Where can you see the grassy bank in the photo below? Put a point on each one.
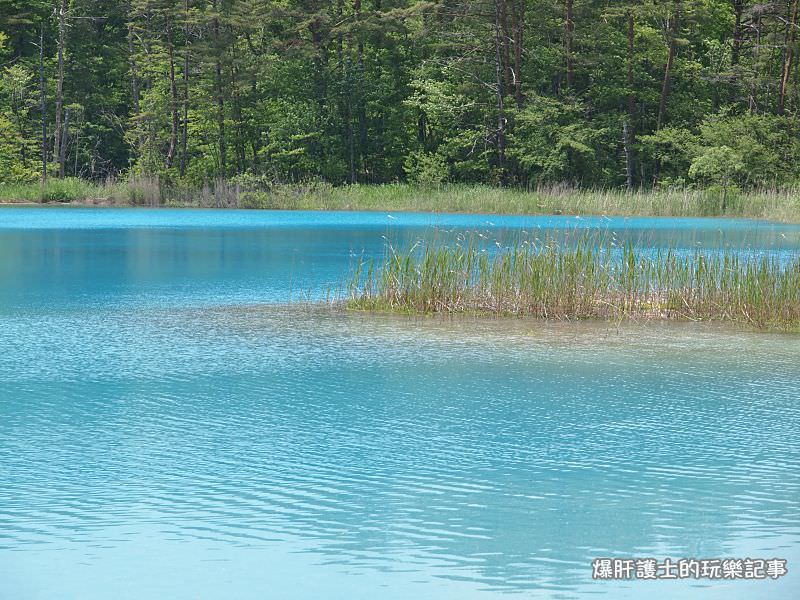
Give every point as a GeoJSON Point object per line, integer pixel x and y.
{"type": "Point", "coordinates": [550, 281]}
{"type": "Point", "coordinates": [779, 205]}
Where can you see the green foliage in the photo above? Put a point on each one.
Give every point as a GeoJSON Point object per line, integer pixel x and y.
{"type": "Point", "coordinates": [18, 148]}
{"type": "Point", "coordinates": [748, 149]}
{"type": "Point", "coordinates": [263, 194]}
{"type": "Point", "coordinates": [191, 92]}
{"type": "Point", "coordinates": [717, 165]}
{"type": "Point", "coordinates": [66, 190]}
{"type": "Point", "coordinates": [426, 169]}
{"type": "Point", "coordinates": [553, 141]}
{"type": "Point", "coordinates": [290, 139]}
{"type": "Point", "coordinates": [12, 169]}
{"type": "Point", "coordinates": [672, 149]}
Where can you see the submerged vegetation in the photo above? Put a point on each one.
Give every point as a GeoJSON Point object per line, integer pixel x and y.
{"type": "Point", "coordinates": [584, 281]}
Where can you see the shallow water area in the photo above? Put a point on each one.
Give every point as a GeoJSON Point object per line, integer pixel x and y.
{"type": "Point", "coordinates": [171, 427]}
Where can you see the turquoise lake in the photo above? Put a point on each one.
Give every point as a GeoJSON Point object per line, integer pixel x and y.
{"type": "Point", "coordinates": [177, 421]}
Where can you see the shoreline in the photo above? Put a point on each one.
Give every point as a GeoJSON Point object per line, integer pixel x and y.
{"type": "Point", "coordinates": [187, 207]}
{"type": "Point", "coordinates": [633, 320]}
{"type": "Point", "coordinates": [528, 324]}
{"type": "Point", "coordinates": [771, 219]}
{"type": "Point", "coordinates": [778, 205]}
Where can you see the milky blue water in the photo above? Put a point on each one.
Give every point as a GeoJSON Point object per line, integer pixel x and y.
{"type": "Point", "coordinates": [171, 427]}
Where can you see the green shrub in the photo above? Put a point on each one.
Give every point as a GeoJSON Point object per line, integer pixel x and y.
{"type": "Point", "coordinates": [256, 200]}
{"type": "Point", "coordinates": [426, 169]}
{"type": "Point", "coordinates": [70, 189]}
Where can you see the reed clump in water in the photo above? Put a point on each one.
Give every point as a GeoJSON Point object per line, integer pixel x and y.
{"type": "Point", "coordinates": [585, 281]}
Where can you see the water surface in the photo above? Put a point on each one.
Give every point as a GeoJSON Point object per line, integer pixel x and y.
{"type": "Point", "coordinates": [75, 257]}
{"type": "Point", "coordinates": [171, 428]}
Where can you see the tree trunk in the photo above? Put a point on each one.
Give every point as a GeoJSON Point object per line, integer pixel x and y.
{"type": "Point", "coordinates": [628, 129]}
{"type": "Point", "coordinates": [346, 95]}
{"type": "Point", "coordinates": [738, 9]}
{"type": "Point", "coordinates": [505, 37]}
{"type": "Point", "coordinates": [173, 92]}
{"type": "Point", "coordinates": [220, 99]}
{"type": "Point", "coordinates": [185, 117]}
{"type": "Point", "coordinates": [133, 66]}
{"type": "Point", "coordinates": [351, 142]}
{"type": "Point", "coordinates": [626, 144]}
{"type": "Point", "coordinates": [795, 76]}
{"type": "Point", "coordinates": [62, 15]}
{"type": "Point", "coordinates": [518, 25]}
{"type": "Point", "coordinates": [135, 81]}
{"type": "Point", "coordinates": [569, 34]}
{"type": "Point", "coordinates": [42, 103]}
{"type": "Point", "coordinates": [255, 138]}
{"type": "Point", "coordinates": [631, 96]}
{"type": "Point", "coordinates": [501, 117]}
{"type": "Point", "coordinates": [361, 108]}
{"type": "Point", "coordinates": [788, 58]}
{"type": "Point", "coordinates": [756, 55]}
{"type": "Point", "coordinates": [673, 36]}
{"type": "Point", "coordinates": [318, 60]}
{"type": "Point", "coordinates": [236, 108]}
{"type": "Point", "coordinates": [62, 157]}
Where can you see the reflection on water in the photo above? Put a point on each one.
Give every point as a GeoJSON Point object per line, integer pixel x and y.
{"type": "Point", "coordinates": [79, 257]}
{"type": "Point", "coordinates": [220, 449]}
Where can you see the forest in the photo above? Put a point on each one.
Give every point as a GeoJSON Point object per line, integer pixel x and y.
{"type": "Point", "coordinates": [596, 94]}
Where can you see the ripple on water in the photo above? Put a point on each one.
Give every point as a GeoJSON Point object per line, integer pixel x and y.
{"type": "Point", "coordinates": [498, 455]}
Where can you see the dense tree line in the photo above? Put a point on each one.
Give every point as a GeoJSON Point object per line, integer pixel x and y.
{"type": "Point", "coordinates": [520, 92]}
